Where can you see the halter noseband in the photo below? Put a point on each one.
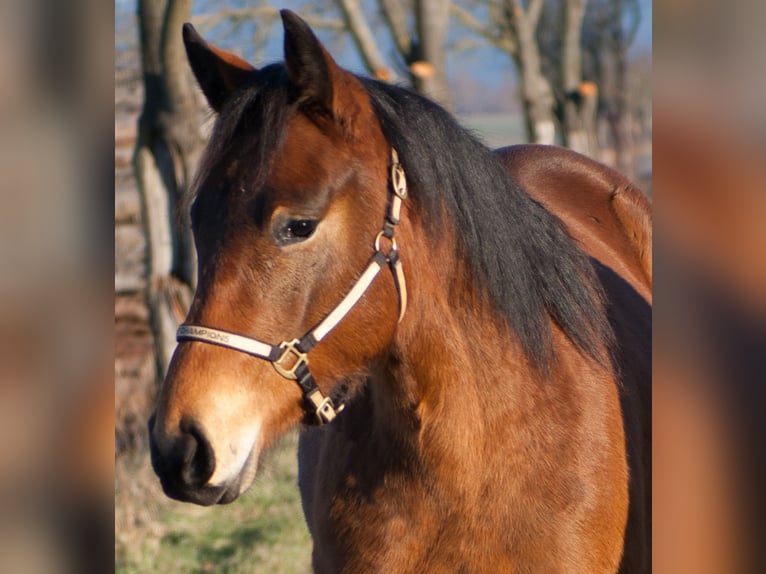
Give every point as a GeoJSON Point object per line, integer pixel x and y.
{"type": "Point", "coordinates": [290, 358]}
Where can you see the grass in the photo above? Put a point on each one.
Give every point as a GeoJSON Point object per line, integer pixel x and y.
{"type": "Point", "coordinates": [263, 531]}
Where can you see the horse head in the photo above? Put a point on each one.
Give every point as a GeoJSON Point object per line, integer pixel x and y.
{"type": "Point", "coordinates": [292, 192]}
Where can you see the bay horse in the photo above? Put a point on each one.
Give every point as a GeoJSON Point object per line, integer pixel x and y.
{"type": "Point", "coordinates": [465, 334]}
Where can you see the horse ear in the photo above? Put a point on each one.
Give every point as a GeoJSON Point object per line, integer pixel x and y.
{"type": "Point", "coordinates": [316, 75]}
{"type": "Point", "coordinates": [218, 72]}
{"type": "Point", "coordinates": [308, 63]}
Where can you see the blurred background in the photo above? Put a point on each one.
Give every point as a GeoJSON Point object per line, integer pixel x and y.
{"type": "Point", "coordinates": [709, 385]}
{"type": "Point", "coordinates": [64, 476]}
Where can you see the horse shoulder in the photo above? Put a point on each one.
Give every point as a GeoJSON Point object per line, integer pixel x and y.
{"type": "Point", "coordinates": [604, 212]}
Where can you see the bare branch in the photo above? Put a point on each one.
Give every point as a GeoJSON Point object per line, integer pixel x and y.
{"type": "Point", "coordinates": [529, 16]}
{"type": "Point", "coordinates": [534, 9]}
{"type": "Point", "coordinates": [207, 21]}
{"type": "Point", "coordinates": [486, 31]}
{"type": "Point", "coordinates": [515, 10]}
{"type": "Point", "coordinates": [394, 14]}
{"type": "Point", "coordinates": [464, 45]}
{"type": "Point", "coordinates": [364, 40]}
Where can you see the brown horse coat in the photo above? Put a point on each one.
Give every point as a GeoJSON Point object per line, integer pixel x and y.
{"type": "Point", "coordinates": [606, 214]}
{"type": "Point", "coordinates": [611, 221]}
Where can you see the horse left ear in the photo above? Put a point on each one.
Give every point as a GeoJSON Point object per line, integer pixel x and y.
{"type": "Point", "coordinates": [316, 75]}
{"type": "Point", "coordinates": [218, 72]}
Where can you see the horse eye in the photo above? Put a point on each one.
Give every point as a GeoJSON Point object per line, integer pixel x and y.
{"type": "Point", "coordinates": [298, 229]}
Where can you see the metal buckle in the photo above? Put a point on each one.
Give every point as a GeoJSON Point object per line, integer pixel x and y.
{"type": "Point", "coordinates": [290, 349]}
{"type": "Point", "coordinates": [398, 179]}
{"type": "Point", "coordinates": [326, 411]}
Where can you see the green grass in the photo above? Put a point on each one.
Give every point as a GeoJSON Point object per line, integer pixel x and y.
{"type": "Point", "coordinates": [262, 531]}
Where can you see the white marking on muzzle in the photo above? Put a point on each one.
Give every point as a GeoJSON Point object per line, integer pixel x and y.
{"type": "Point", "coordinates": [230, 459]}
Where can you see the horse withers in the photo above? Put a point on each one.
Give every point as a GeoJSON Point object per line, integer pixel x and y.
{"type": "Point", "coordinates": [464, 336]}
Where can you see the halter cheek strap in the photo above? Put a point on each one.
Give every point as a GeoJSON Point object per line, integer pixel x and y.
{"type": "Point", "coordinates": [290, 358]}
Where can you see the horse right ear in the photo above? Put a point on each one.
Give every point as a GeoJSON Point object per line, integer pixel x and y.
{"type": "Point", "coordinates": [218, 72]}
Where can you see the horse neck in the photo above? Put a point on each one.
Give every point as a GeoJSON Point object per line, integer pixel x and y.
{"type": "Point", "coordinates": [453, 362]}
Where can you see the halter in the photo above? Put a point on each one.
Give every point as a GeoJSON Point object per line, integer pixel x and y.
{"type": "Point", "coordinates": [290, 358]}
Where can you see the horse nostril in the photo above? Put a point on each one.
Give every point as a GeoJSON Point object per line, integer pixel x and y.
{"type": "Point", "coordinates": [198, 459]}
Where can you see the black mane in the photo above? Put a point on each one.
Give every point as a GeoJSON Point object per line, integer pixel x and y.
{"type": "Point", "coordinates": [257, 111]}
{"type": "Point", "coordinates": [520, 254]}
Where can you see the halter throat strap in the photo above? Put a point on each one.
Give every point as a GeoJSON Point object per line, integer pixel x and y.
{"type": "Point", "coordinates": [290, 358]}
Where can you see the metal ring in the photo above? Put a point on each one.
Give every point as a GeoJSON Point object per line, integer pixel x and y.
{"type": "Point", "coordinates": [377, 241]}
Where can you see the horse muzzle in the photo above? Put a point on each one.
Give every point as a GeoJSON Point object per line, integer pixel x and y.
{"type": "Point", "coordinates": [185, 464]}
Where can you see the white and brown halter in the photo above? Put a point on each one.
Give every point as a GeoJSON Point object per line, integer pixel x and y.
{"type": "Point", "coordinates": [290, 358]}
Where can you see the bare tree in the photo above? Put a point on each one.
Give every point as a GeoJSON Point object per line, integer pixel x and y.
{"type": "Point", "coordinates": [572, 62]}
{"type": "Point", "coordinates": [431, 22]}
{"type": "Point", "coordinates": [419, 34]}
{"type": "Point", "coordinates": [512, 26]}
{"type": "Point", "coordinates": [550, 58]}
{"type": "Point", "coordinates": [579, 99]}
{"type": "Point", "coordinates": [537, 95]}
{"type": "Point", "coordinates": [364, 39]}
{"type": "Point", "coordinates": [221, 20]}
{"type": "Point", "coordinates": [609, 31]}
{"type": "Point", "coordinates": [167, 149]}
{"type": "Point", "coordinates": [418, 30]}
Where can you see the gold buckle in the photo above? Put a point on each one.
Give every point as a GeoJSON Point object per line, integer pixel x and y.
{"type": "Point", "coordinates": [398, 179]}
{"type": "Point", "coordinates": [325, 411]}
{"type": "Point", "coordinates": [290, 350]}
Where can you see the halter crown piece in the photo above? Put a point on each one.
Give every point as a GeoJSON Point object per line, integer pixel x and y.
{"type": "Point", "coordinates": [290, 358]}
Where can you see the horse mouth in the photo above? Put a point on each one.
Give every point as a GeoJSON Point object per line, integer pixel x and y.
{"type": "Point", "coordinates": [229, 496]}
{"type": "Point", "coordinates": [246, 476]}
{"type": "Point", "coordinates": [206, 495]}
{"type": "Point", "coordinates": [203, 496]}
{"type": "Point", "coordinates": [211, 494]}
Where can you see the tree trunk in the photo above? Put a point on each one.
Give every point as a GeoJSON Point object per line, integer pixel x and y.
{"type": "Point", "coordinates": [537, 95]}
{"type": "Point", "coordinates": [364, 40]}
{"type": "Point", "coordinates": [429, 69]}
{"type": "Point", "coordinates": [395, 16]}
{"type": "Point", "coordinates": [167, 149]}
{"type": "Point", "coordinates": [612, 32]}
{"type": "Point", "coordinates": [622, 133]}
{"type": "Point", "coordinates": [423, 52]}
{"type": "Point", "coordinates": [579, 118]}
